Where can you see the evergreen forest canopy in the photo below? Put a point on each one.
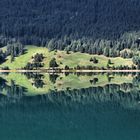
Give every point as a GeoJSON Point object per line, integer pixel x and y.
{"type": "Point", "coordinates": [89, 26]}
{"type": "Point", "coordinates": [34, 21]}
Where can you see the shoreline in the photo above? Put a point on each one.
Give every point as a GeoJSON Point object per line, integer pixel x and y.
{"type": "Point", "coordinates": [68, 71]}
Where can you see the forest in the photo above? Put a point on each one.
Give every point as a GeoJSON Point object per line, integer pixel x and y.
{"type": "Point", "coordinates": [104, 27]}
{"type": "Point", "coordinates": [37, 22]}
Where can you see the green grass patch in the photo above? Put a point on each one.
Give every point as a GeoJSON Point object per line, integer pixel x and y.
{"type": "Point", "coordinates": [63, 59]}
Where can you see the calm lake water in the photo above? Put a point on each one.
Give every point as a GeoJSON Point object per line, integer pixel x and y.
{"type": "Point", "coordinates": [97, 106]}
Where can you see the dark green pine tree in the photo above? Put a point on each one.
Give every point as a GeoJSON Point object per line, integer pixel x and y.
{"type": "Point", "coordinates": [53, 63]}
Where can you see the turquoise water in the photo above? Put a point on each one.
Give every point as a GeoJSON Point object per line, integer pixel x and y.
{"type": "Point", "coordinates": [83, 114]}
{"type": "Point", "coordinates": [52, 121]}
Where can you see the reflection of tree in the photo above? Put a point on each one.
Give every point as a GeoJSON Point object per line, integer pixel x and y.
{"type": "Point", "coordinates": [36, 76]}
{"type": "Point", "coordinates": [94, 81]}
{"type": "Point", "coordinates": [67, 73]}
{"type": "Point", "coordinates": [14, 90]}
{"type": "Point", "coordinates": [38, 83]}
{"type": "Point", "coordinates": [53, 78]}
{"type": "Point", "coordinates": [126, 86]}
{"type": "Point", "coordinates": [2, 83]}
{"type": "Point", "coordinates": [125, 93]}
{"type": "Point", "coordinates": [37, 79]}
{"type": "Point", "coordinates": [114, 93]}
{"type": "Point", "coordinates": [136, 80]}
{"type": "Point", "coordinates": [110, 78]}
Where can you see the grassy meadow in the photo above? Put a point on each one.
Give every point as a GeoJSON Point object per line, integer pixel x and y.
{"type": "Point", "coordinates": [71, 59]}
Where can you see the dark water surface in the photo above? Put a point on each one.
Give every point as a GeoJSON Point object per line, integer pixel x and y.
{"type": "Point", "coordinates": [109, 112]}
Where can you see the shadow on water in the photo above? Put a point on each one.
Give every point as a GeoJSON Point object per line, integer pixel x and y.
{"type": "Point", "coordinates": [102, 110]}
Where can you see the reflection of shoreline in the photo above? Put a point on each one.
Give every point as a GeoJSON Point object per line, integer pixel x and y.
{"type": "Point", "coordinates": [121, 88]}
{"type": "Point", "coordinates": [67, 71]}
{"type": "Point", "coordinates": [115, 94]}
{"type": "Point", "coordinates": [42, 83]}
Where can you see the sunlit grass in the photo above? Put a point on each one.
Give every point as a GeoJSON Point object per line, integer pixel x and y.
{"type": "Point", "coordinates": [63, 59]}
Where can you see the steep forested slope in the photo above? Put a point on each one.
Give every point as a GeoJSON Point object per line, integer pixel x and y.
{"type": "Point", "coordinates": [33, 20]}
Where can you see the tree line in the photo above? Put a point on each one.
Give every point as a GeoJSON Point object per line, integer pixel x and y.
{"type": "Point", "coordinates": [37, 22]}
{"type": "Point", "coordinates": [13, 49]}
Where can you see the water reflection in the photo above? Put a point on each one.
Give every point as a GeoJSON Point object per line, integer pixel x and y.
{"type": "Point", "coordinates": [122, 88]}
{"type": "Point", "coordinates": [69, 106]}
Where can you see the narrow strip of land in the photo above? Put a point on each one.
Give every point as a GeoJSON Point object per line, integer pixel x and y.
{"type": "Point", "coordinates": [67, 71]}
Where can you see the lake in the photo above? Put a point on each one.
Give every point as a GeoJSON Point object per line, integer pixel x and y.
{"type": "Point", "coordinates": [70, 106]}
